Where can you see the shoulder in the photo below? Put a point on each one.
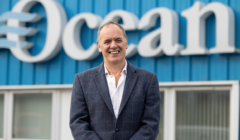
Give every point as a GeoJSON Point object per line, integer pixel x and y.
{"type": "Point", "coordinates": [142, 72]}
{"type": "Point", "coordinates": [145, 78]}
{"type": "Point", "coordinates": [87, 73]}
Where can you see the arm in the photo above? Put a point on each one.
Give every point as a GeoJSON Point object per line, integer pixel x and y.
{"type": "Point", "coordinates": [79, 122]}
{"type": "Point", "coordinates": [151, 116]}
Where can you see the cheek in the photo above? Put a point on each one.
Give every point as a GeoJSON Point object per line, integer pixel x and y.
{"type": "Point", "coordinates": [99, 49]}
{"type": "Point", "coordinates": [105, 50]}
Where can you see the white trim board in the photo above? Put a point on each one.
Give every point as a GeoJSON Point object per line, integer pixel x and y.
{"type": "Point", "coordinates": [161, 84]}
{"type": "Point", "coordinates": [32, 87]}
{"type": "Point", "coordinates": [198, 83]}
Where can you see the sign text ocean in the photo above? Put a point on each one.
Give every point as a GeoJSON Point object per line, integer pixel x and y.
{"type": "Point", "coordinates": [62, 33]}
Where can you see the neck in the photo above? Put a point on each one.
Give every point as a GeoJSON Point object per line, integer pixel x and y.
{"type": "Point", "coordinates": [115, 69]}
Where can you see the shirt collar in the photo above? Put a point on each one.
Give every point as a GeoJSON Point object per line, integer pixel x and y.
{"type": "Point", "coordinates": [123, 71]}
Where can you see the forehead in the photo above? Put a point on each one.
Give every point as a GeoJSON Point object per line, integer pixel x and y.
{"type": "Point", "coordinates": [111, 31]}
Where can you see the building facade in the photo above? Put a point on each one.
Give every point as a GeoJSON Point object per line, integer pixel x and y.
{"type": "Point", "coordinates": [192, 46]}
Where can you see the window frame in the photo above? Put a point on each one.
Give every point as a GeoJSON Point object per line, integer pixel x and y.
{"type": "Point", "coordinates": [170, 90]}
{"type": "Point", "coordinates": [4, 114]}
{"type": "Point", "coordinates": [9, 106]}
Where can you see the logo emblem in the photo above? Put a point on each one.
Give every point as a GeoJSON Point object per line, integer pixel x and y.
{"type": "Point", "coordinates": [20, 31]}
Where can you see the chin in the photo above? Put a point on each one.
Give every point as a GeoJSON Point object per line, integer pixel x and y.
{"type": "Point", "coordinates": [115, 61]}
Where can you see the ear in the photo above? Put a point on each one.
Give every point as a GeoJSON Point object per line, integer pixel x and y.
{"type": "Point", "coordinates": [99, 47]}
{"type": "Point", "coordinates": [126, 43]}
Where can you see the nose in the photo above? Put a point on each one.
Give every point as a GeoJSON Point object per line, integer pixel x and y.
{"type": "Point", "coordinates": [113, 45]}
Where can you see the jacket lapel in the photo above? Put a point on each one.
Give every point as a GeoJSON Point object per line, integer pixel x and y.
{"type": "Point", "coordinates": [129, 85]}
{"type": "Point", "coordinates": [101, 82]}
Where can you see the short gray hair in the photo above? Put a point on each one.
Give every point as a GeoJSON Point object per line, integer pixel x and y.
{"type": "Point", "coordinates": [109, 23]}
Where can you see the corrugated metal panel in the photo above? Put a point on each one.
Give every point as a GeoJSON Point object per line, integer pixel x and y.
{"type": "Point", "coordinates": [5, 6]}
{"type": "Point", "coordinates": [147, 62]}
{"type": "Point", "coordinates": [86, 35]}
{"type": "Point", "coordinates": [133, 36]}
{"type": "Point", "coordinates": [61, 69]}
{"type": "Point", "coordinates": [219, 63]}
{"type": "Point", "coordinates": [182, 64]}
{"type": "Point", "coordinates": [165, 63]}
{"type": "Point", "coordinates": [200, 64]}
{"type": "Point", "coordinates": [234, 59]}
{"type": "Point", "coordinates": [53, 69]}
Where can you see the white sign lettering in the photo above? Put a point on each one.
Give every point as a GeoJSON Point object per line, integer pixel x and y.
{"type": "Point", "coordinates": [196, 26]}
{"type": "Point", "coordinates": [56, 22]}
{"type": "Point", "coordinates": [167, 34]}
{"type": "Point", "coordinates": [71, 43]}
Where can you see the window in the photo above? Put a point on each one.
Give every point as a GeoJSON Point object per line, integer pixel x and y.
{"type": "Point", "coordinates": [201, 110]}
{"type": "Point", "coordinates": [1, 114]}
{"type": "Point", "coordinates": [32, 116]}
{"type": "Point", "coordinates": [202, 115]}
{"type": "Point", "coordinates": [30, 112]}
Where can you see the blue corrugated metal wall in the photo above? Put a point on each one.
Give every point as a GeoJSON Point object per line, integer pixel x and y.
{"type": "Point", "coordinates": [61, 69]}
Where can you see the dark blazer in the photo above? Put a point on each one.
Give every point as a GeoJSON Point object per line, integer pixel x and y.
{"type": "Point", "coordinates": [92, 116]}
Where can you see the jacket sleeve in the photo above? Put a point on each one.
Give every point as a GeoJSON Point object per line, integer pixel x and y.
{"type": "Point", "coordinates": [151, 116]}
{"type": "Point", "coordinates": [79, 119]}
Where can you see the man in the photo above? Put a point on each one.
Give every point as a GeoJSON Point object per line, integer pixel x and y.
{"type": "Point", "coordinates": [115, 101]}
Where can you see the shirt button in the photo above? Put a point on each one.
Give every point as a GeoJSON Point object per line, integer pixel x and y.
{"type": "Point", "coordinates": [117, 129]}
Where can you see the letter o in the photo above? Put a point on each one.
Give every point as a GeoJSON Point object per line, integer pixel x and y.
{"type": "Point", "coordinates": [56, 21]}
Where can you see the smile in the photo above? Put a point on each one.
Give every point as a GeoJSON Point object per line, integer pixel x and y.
{"type": "Point", "coordinates": [114, 52]}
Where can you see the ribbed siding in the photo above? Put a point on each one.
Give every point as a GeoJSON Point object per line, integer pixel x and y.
{"type": "Point", "coordinates": [234, 59]}
{"type": "Point", "coordinates": [133, 36]}
{"type": "Point", "coordinates": [61, 69]}
{"type": "Point", "coordinates": [4, 54]}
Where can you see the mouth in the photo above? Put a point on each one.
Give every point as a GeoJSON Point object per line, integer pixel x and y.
{"type": "Point", "coordinates": [116, 52]}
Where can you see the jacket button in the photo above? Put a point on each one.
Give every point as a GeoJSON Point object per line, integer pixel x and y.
{"type": "Point", "coordinates": [117, 129]}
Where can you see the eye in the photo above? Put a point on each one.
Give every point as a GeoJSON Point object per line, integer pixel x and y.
{"type": "Point", "coordinates": [106, 41]}
{"type": "Point", "coordinates": [119, 40]}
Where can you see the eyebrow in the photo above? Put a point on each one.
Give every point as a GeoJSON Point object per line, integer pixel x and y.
{"type": "Point", "coordinates": [106, 40]}
{"type": "Point", "coordinates": [118, 38]}
{"type": "Point", "coordinates": [114, 39]}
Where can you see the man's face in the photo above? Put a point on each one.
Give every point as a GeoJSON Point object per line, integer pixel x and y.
{"type": "Point", "coordinates": [112, 44]}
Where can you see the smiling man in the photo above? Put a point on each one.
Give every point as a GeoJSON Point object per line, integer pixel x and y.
{"type": "Point", "coordinates": [115, 101]}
